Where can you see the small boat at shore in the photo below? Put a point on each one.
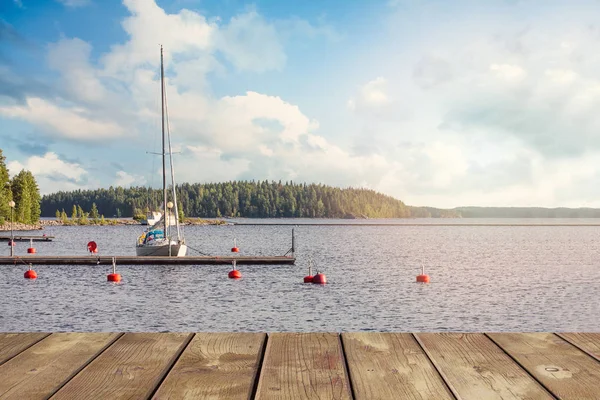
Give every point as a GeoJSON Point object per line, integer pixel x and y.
{"type": "Point", "coordinates": [161, 239]}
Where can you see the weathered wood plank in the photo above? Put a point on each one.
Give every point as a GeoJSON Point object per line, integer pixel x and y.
{"type": "Point", "coordinates": [215, 366]}
{"type": "Point", "coordinates": [588, 342]}
{"type": "Point", "coordinates": [391, 366]}
{"type": "Point", "coordinates": [12, 344]}
{"type": "Point", "coordinates": [475, 368]}
{"type": "Point", "coordinates": [39, 371]}
{"type": "Point", "coordinates": [303, 366]}
{"type": "Point", "coordinates": [131, 368]}
{"type": "Point", "coordinates": [565, 370]}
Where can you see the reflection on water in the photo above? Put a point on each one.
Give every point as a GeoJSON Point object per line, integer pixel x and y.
{"type": "Point", "coordinates": [484, 278]}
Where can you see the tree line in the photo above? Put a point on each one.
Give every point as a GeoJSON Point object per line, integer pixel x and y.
{"type": "Point", "coordinates": [23, 190]}
{"type": "Point", "coordinates": [254, 199]}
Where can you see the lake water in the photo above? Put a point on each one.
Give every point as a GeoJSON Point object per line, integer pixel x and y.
{"type": "Point", "coordinates": [484, 278]}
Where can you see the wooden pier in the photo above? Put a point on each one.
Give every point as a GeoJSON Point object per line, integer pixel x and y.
{"type": "Point", "coordinates": [146, 260]}
{"type": "Point", "coordinates": [27, 238]}
{"type": "Point", "coordinates": [300, 366]}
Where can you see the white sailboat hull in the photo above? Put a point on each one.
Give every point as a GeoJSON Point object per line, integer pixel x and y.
{"type": "Point", "coordinates": [177, 250]}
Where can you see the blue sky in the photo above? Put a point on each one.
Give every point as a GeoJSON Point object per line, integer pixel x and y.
{"type": "Point", "coordinates": [440, 103]}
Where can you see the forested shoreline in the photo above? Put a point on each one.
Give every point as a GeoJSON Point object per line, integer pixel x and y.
{"type": "Point", "coordinates": [252, 199]}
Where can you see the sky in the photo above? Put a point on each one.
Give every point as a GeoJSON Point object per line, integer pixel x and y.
{"type": "Point", "coordinates": [435, 102]}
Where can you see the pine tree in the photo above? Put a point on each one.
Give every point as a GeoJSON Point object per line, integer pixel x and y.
{"type": "Point", "coordinates": [5, 192]}
{"type": "Point", "coordinates": [94, 213]}
{"type": "Point", "coordinates": [74, 213]}
{"type": "Point", "coordinates": [21, 194]}
{"type": "Point", "coordinates": [57, 215]}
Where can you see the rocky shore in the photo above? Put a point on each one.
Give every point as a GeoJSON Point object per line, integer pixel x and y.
{"type": "Point", "coordinates": [17, 226]}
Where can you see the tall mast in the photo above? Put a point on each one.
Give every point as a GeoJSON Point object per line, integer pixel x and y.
{"type": "Point", "coordinates": [164, 165]}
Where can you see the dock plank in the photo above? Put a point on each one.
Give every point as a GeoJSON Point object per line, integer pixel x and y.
{"type": "Point", "coordinates": [565, 370]}
{"type": "Point", "coordinates": [39, 371]}
{"type": "Point", "coordinates": [588, 342]}
{"type": "Point", "coordinates": [475, 368]}
{"type": "Point", "coordinates": [12, 344]}
{"type": "Point", "coordinates": [131, 368]}
{"type": "Point", "coordinates": [146, 260]}
{"type": "Point", "coordinates": [389, 366]}
{"type": "Point", "coordinates": [215, 366]}
{"type": "Point", "coordinates": [303, 366]}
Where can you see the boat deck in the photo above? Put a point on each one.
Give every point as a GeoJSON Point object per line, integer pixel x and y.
{"type": "Point", "coordinates": [145, 260]}
{"type": "Point", "coordinates": [300, 366]}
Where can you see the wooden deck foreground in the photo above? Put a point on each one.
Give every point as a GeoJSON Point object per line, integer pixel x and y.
{"type": "Point", "coordinates": [135, 260]}
{"type": "Point", "coordinates": [300, 366]}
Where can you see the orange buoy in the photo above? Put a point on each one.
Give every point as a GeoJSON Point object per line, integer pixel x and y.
{"type": "Point", "coordinates": [235, 249]}
{"type": "Point", "coordinates": [31, 249]}
{"type": "Point", "coordinates": [422, 278]}
{"type": "Point", "coordinates": [234, 273]}
{"type": "Point", "coordinates": [320, 278]}
{"type": "Point", "coordinates": [30, 274]}
{"type": "Point", "coordinates": [114, 277]}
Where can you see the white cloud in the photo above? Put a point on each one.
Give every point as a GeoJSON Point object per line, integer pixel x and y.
{"type": "Point", "coordinates": [250, 43]}
{"type": "Point", "coordinates": [75, 3]}
{"type": "Point", "coordinates": [52, 173]}
{"type": "Point", "coordinates": [125, 179]}
{"type": "Point", "coordinates": [18, 3]}
{"type": "Point", "coordinates": [69, 122]}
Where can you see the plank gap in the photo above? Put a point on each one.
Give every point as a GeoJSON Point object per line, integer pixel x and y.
{"type": "Point", "coordinates": [437, 368]}
{"type": "Point", "coordinates": [27, 347]}
{"type": "Point", "coordinates": [346, 367]}
{"type": "Point", "coordinates": [259, 367]}
{"type": "Point", "coordinates": [547, 389]}
{"type": "Point", "coordinates": [578, 346]}
{"type": "Point", "coordinates": [169, 367]}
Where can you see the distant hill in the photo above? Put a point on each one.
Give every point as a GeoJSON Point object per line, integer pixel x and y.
{"type": "Point", "coordinates": [526, 212]}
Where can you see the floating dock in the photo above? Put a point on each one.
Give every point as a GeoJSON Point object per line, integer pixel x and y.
{"type": "Point", "coordinates": [27, 238]}
{"type": "Point", "coordinates": [136, 260]}
{"type": "Point", "coordinates": [300, 365]}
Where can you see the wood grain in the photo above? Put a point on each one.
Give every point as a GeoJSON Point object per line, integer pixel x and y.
{"type": "Point", "coordinates": [39, 371]}
{"type": "Point", "coordinates": [131, 368]}
{"type": "Point", "coordinates": [565, 370]}
{"type": "Point", "coordinates": [215, 366]}
{"type": "Point", "coordinates": [475, 368]}
{"type": "Point", "coordinates": [588, 342]}
{"type": "Point", "coordinates": [12, 344]}
{"type": "Point", "coordinates": [390, 366]}
{"type": "Point", "coordinates": [303, 366]}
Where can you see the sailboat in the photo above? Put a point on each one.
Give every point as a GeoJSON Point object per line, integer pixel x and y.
{"type": "Point", "coordinates": [158, 240]}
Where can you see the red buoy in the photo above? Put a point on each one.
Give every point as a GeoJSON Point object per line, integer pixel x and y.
{"type": "Point", "coordinates": [320, 278]}
{"type": "Point", "coordinates": [234, 273]}
{"type": "Point", "coordinates": [92, 247]}
{"type": "Point", "coordinates": [31, 249]}
{"type": "Point", "coordinates": [235, 249]}
{"type": "Point", "coordinates": [114, 277]}
{"type": "Point", "coordinates": [30, 274]}
{"type": "Point", "coordinates": [422, 278]}
{"type": "Point", "coordinates": [309, 278]}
